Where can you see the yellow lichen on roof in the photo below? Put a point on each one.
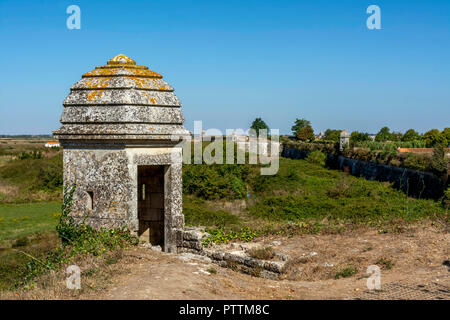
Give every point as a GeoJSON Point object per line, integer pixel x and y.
{"type": "Point", "coordinates": [95, 94]}
{"type": "Point", "coordinates": [145, 73]}
{"type": "Point", "coordinates": [110, 72]}
{"type": "Point", "coordinates": [122, 65]}
{"type": "Point", "coordinates": [97, 83]}
{"type": "Point", "coordinates": [121, 59]}
{"type": "Point", "coordinates": [141, 83]}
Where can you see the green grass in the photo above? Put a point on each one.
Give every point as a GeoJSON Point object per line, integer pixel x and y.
{"type": "Point", "coordinates": [305, 191]}
{"type": "Point", "coordinates": [21, 220]}
{"type": "Point", "coordinates": [346, 272]}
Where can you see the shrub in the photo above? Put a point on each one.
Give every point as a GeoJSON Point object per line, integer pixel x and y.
{"type": "Point", "coordinates": [50, 177]}
{"type": "Point", "coordinates": [415, 161]}
{"type": "Point", "coordinates": [214, 182]}
{"type": "Point", "coordinates": [346, 272]}
{"type": "Point", "coordinates": [438, 162]}
{"type": "Point", "coordinates": [197, 214]}
{"type": "Point", "coordinates": [317, 157]}
{"type": "Point", "coordinates": [385, 263]}
{"type": "Point", "coordinates": [219, 235]}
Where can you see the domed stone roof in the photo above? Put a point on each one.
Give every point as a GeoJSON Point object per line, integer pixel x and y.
{"type": "Point", "coordinates": [344, 134]}
{"type": "Point", "coordinates": [121, 100]}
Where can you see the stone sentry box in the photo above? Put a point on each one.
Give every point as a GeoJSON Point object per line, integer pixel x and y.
{"type": "Point", "coordinates": [120, 127]}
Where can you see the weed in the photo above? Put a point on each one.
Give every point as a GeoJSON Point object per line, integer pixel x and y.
{"type": "Point", "coordinates": [385, 263]}
{"type": "Point", "coordinates": [317, 157]}
{"type": "Point", "coordinates": [212, 270]}
{"type": "Point", "coordinates": [219, 235]}
{"type": "Point", "coordinates": [346, 272]}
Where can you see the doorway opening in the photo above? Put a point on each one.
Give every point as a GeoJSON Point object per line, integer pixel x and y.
{"type": "Point", "coordinates": [151, 204]}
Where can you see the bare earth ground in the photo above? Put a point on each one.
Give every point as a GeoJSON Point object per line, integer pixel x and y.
{"type": "Point", "coordinates": [419, 272]}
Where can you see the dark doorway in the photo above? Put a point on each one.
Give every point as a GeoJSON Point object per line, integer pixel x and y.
{"type": "Point", "coordinates": [151, 204]}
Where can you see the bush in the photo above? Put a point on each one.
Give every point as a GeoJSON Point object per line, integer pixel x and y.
{"type": "Point", "coordinates": [385, 263]}
{"type": "Point", "coordinates": [219, 235]}
{"type": "Point", "coordinates": [346, 272]}
{"type": "Point", "coordinates": [317, 157]}
{"type": "Point", "coordinates": [438, 163]}
{"type": "Point", "coordinates": [212, 182]}
{"type": "Point", "coordinates": [415, 161]}
{"type": "Point", "coordinates": [50, 177]}
{"type": "Point", "coordinates": [217, 181]}
{"type": "Point", "coordinates": [197, 214]}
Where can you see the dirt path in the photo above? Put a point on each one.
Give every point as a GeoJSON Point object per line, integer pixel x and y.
{"type": "Point", "coordinates": [417, 255]}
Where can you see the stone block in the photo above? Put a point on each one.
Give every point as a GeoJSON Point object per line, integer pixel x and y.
{"type": "Point", "coordinates": [274, 266]}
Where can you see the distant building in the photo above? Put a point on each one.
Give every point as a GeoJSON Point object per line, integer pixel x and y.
{"type": "Point", "coordinates": [52, 145]}
{"type": "Point", "coordinates": [320, 136]}
{"type": "Point", "coordinates": [344, 140]}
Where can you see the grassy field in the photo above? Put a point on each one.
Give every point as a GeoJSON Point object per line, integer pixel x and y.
{"type": "Point", "coordinates": [26, 230]}
{"type": "Point", "coordinates": [22, 220]}
{"type": "Point", "coordinates": [306, 197]}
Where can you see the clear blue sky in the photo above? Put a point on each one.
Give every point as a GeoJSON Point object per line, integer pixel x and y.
{"type": "Point", "coordinates": [231, 61]}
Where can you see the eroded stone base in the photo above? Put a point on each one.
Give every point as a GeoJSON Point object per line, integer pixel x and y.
{"type": "Point", "coordinates": [235, 257]}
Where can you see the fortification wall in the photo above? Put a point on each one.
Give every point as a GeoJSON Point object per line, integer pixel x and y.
{"type": "Point", "coordinates": [415, 183]}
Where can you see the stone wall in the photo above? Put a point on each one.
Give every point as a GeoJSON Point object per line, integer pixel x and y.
{"type": "Point", "coordinates": [235, 257]}
{"type": "Point", "coordinates": [109, 175]}
{"type": "Point", "coordinates": [415, 183]}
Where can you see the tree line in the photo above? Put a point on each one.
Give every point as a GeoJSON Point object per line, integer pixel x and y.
{"type": "Point", "coordinates": [303, 131]}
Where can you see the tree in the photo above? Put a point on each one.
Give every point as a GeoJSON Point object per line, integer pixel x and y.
{"type": "Point", "coordinates": [438, 162]}
{"type": "Point", "coordinates": [383, 135]}
{"type": "Point", "coordinates": [411, 135]}
{"type": "Point", "coordinates": [433, 138]}
{"type": "Point", "coordinates": [306, 134]}
{"type": "Point", "coordinates": [332, 135]}
{"type": "Point", "coordinates": [359, 137]}
{"type": "Point", "coordinates": [396, 136]}
{"type": "Point", "coordinates": [300, 124]}
{"type": "Point", "coordinates": [446, 135]}
{"type": "Point", "coordinates": [259, 124]}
